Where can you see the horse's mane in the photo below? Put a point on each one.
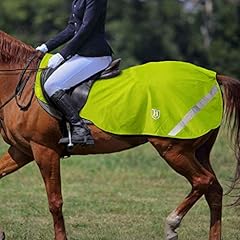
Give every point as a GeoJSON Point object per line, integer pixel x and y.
{"type": "Point", "coordinates": [13, 50]}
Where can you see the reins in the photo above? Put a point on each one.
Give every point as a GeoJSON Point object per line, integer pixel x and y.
{"type": "Point", "coordinates": [14, 71]}
{"type": "Point", "coordinates": [23, 79]}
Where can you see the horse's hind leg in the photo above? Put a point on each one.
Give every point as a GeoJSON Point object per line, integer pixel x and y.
{"type": "Point", "coordinates": [180, 155]}
{"type": "Point", "coordinates": [48, 161]}
{"type": "Point", "coordinates": [214, 192]}
{"type": "Point", "coordinates": [10, 162]}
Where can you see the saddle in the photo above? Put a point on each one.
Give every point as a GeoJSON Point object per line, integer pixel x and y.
{"type": "Point", "coordinates": [80, 92]}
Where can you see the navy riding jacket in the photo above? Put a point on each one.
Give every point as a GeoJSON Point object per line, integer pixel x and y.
{"type": "Point", "coordinates": [85, 32]}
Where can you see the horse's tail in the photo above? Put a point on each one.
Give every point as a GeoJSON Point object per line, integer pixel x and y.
{"type": "Point", "coordinates": [231, 95]}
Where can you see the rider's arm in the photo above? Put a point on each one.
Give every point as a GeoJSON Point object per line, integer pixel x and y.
{"type": "Point", "coordinates": [62, 37]}
{"type": "Point", "coordinates": [90, 18]}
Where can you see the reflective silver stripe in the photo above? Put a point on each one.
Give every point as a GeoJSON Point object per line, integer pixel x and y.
{"type": "Point", "coordinates": [194, 110]}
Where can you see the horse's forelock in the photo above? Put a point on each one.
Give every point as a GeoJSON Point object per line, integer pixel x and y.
{"type": "Point", "coordinates": [13, 50]}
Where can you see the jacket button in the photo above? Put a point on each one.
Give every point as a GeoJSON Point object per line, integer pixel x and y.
{"type": "Point", "coordinates": [75, 24]}
{"type": "Point", "coordinates": [73, 15]}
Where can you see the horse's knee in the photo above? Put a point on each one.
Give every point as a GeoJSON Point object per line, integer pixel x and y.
{"type": "Point", "coordinates": [55, 205]}
{"type": "Point", "coordinates": [203, 183]}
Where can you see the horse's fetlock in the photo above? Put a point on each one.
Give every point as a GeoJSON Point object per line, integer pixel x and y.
{"type": "Point", "coordinates": [172, 223]}
{"type": "Point", "coordinates": [173, 220]}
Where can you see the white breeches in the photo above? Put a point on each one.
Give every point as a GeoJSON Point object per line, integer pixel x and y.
{"type": "Point", "coordinates": [74, 71]}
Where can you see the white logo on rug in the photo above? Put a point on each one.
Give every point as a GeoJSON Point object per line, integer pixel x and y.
{"type": "Point", "coordinates": [155, 114]}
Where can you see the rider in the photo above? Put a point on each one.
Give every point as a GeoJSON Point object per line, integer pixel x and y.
{"type": "Point", "coordinates": [86, 53]}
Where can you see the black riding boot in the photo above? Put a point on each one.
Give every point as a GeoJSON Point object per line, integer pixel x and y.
{"type": "Point", "coordinates": [80, 131]}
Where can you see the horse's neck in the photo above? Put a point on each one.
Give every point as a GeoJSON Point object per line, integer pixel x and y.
{"type": "Point", "coordinates": [9, 79]}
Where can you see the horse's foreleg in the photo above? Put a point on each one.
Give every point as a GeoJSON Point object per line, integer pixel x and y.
{"type": "Point", "coordinates": [11, 161]}
{"type": "Point", "coordinates": [181, 158]}
{"type": "Point", "coordinates": [48, 161]}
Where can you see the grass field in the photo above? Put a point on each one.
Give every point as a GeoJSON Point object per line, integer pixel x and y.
{"type": "Point", "coordinates": [123, 196]}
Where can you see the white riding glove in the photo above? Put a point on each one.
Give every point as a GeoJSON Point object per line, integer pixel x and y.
{"type": "Point", "coordinates": [55, 60]}
{"type": "Point", "coordinates": [43, 48]}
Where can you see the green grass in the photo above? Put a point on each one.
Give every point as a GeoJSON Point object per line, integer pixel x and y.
{"type": "Point", "coordinates": [123, 196]}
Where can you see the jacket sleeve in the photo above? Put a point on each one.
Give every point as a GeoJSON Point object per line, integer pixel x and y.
{"type": "Point", "coordinates": [90, 18]}
{"type": "Point", "coordinates": [61, 37]}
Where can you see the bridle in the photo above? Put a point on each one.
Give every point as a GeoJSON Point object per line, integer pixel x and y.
{"type": "Point", "coordinates": [25, 74]}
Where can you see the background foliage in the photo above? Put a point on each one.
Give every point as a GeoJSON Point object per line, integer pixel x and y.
{"type": "Point", "coordinates": [204, 32]}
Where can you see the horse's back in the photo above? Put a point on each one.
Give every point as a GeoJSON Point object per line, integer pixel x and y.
{"type": "Point", "coordinates": [172, 71]}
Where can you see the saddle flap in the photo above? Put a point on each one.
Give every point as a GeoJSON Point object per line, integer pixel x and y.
{"type": "Point", "coordinates": [80, 93]}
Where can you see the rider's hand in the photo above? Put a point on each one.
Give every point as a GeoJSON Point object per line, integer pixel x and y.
{"type": "Point", "coordinates": [43, 48]}
{"type": "Point", "coordinates": [55, 60]}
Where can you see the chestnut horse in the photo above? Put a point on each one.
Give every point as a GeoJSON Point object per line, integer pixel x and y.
{"type": "Point", "coordinates": [33, 135]}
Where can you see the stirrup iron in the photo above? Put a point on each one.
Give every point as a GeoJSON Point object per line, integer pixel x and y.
{"type": "Point", "coordinates": [70, 144]}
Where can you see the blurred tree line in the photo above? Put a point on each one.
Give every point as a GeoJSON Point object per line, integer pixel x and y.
{"type": "Point", "coordinates": [204, 32]}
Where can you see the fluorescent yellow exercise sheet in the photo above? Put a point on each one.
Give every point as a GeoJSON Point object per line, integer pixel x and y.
{"type": "Point", "coordinates": [169, 99]}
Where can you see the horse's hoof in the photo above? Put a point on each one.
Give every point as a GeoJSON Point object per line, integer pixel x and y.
{"type": "Point", "coordinates": [2, 235]}
{"type": "Point", "coordinates": [173, 237]}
